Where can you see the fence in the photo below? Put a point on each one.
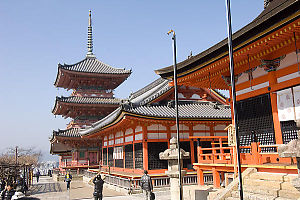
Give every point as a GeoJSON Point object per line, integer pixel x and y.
{"type": "Point", "coordinates": [158, 182]}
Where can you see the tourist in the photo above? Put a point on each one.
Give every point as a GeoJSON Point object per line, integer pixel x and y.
{"type": "Point", "coordinates": [2, 185]}
{"type": "Point", "coordinates": [98, 189]}
{"type": "Point", "coordinates": [68, 179]}
{"type": "Point", "coordinates": [37, 176]}
{"type": "Point", "coordinates": [146, 185]}
{"type": "Point", "coordinates": [8, 192]}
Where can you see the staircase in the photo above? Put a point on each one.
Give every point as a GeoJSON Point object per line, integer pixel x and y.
{"type": "Point", "coordinates": [266, 186]}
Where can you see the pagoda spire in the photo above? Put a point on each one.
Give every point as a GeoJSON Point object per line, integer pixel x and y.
{"type": "Point", "coordinates": [90, 38]}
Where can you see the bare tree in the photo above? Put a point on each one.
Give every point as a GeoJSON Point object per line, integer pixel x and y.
{"type": "Point", "coordinates": [21, 156]}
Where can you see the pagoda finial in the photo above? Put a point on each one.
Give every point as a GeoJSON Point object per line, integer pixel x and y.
{"type": "Point", "coordinates": [90, 38]}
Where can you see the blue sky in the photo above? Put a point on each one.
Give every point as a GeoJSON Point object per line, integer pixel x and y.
{"type": "Point", "coordinates": [36, 35]}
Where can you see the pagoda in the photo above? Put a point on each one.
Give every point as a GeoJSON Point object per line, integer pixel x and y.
{"type": "Point", "coordinates": [93, 83]}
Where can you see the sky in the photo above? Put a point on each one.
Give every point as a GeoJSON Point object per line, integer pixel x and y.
{"type": "Point", "coordinates": [36, 35]}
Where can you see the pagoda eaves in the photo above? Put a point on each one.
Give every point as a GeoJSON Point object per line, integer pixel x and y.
{"type": "Point", "coordinates": [74, 106]}
{"type": "Point", "coordinates": [90, 72]}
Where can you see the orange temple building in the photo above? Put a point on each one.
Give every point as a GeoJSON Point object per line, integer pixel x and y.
{"type": "Point", "coordinates": [267, 77]}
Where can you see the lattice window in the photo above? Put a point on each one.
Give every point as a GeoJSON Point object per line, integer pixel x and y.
{"type": "Point", "coordinates": [255, 114]}
{"type": "Point", "coordinates": [104, 156]}
{"type": "Point", "coordinates": [110, 156]}
{"type": "Point", "coordinates": [81, 154]}
{"type": "Point", "coordinates": [138, 154]}
{"type": "Point", "coordinates": [154, 148]}
{"type": "Point", "coordinates": [119, 163]}
{"type": "Point", "coordinates": [129, 156]}
{"type": "Point", "coordinates": [289, 131]}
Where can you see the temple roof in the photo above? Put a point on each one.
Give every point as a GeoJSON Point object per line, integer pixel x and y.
{"type": "Point", "coordinates": [90, 67]}
{"type": "Point", "coordinates": [65, 106]}
{"type": "Point", "coordinates": [93, 65]}
{"type": "Point", "coordinates": [196, 111]}
{"type": "Point", "coordinates": [150, 92]}
{"type": "Point", "coordinates": [276, 11]}
{"type": "Point", "coordinates": [89, 100]}
{"type": "Point", "coordinates": [72, 132]}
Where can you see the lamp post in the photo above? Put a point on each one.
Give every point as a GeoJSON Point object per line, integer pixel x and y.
{"type": "Point", "coordinates": [234, 105]}
{"type": "Point", "coordinates": [176, 110]}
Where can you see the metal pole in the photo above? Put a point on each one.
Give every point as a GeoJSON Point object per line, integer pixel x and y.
{"type": "Point", "coordinates": [176, 109]}
{"type": "Point", "coordinates": [234, 105]}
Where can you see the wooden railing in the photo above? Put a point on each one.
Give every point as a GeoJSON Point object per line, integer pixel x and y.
{"type": "Point", "coordinates": [257, 154]}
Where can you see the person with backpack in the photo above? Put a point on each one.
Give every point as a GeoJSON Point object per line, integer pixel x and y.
{"type": "Point", "coordinates": [146, 185]}
{"type": "Point", "coordinates": [68, 179]}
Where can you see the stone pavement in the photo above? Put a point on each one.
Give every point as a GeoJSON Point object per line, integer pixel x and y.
{"type": "Point", "coordinates": [47, 189]}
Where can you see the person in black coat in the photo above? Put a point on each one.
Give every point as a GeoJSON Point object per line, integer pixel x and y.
{"type": "Point", "coordinates": [98, 189]}
{"type": "Point", "coordinates": [8, 192]}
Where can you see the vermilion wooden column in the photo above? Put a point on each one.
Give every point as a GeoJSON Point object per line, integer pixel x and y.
{"type": "Point", "coordinates": [273, 96]}
{"type": "Point", "coordinates": [145, 148]}
{"type": "Point", "coordinates": [200, 177]}
{"type": "Point", "coordinates": [216, 177]}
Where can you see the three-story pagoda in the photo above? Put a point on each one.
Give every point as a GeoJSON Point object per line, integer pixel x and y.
{"type": "Point", "coordinates": [93, 83]}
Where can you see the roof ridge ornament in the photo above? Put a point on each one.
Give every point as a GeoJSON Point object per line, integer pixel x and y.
{"type": "Point", "coordinates": [90, 38]}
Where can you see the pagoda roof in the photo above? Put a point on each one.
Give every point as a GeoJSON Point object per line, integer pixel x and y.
{"type": "Point", "coordinates": [89, 100]}
{"type": "Point", "coordinates": [276, 11]}
{"type": "Point", "coordinates": [71, 132]}
{"type": "Point", "coordinates": [93, 65]}
{"type": "Point", "coordinates": [84, 101]}
{"type": "Point", "coordinates": [195, 111]}
{"type": "Point", "coordinates": [90, 66]}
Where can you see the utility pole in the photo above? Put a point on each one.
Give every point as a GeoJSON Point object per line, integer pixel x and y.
{"type": "Point", "coordinates": [234, 105]}
{"type": "Point", "coordinates": [16, 159]}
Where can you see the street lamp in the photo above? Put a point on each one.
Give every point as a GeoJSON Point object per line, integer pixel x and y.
{"type": "Point", "coordinates": [176, 109]}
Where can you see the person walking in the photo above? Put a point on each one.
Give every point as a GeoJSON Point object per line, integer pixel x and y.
{"type": "Point", "coordinates": [68, 179]}
{"type": "Point", "coordinates": [146, 185]}
{"type": "Point", "coordinates": [8, 192]}
{"type": "Point", "coordinates": [98, 188]}
{"type": "Point", "coordinates": [38, 176]}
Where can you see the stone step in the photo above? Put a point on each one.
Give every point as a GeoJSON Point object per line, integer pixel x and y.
{"type": "Point", "coordinates": [253, 196]}
{"type": "Point", "coordinates": [262, 183]}
{"type": "Point", "coordinates": [260, 190]}
{"type": "Point", "coordinates": [290, 194]}
{"type": "Point", "coordinates": [290, 177]}
{"type": "Point", "coordinates": [232, 198]}
{"type": "Point", "coordinates": [268, 176]}
{"type": "Point", "coordinates": [281, 198]}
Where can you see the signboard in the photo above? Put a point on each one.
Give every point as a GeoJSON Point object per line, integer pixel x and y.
{"type": "Point", "coordinates": [296, 91]}
{"type": "Point", "coordinates": [285, 105]}
{"type": "Point", "coordinates": [231, 135]}
{"type": "Point", "coordinates": [118, 153]}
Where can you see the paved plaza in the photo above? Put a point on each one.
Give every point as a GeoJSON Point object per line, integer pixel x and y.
{"type": "Point", "coordinates": [47, 189]}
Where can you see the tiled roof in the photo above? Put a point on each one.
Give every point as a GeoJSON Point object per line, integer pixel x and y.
{"type": "Point", "coordinates": [93, 65]}
{"type": "Point", "coordinates": [201, 110]}
{"type": "Point", "coordinates": [103, 122]}
{"type": "Point", "coordinates": [89, 100]}
{"type": "Point", "coordinates": [150, 92]}
{"type": "Point", "coordinates": [72, 132]}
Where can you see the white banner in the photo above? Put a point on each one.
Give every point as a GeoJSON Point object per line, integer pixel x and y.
{"type": "Point", "coordinates": [285, 105]}
{"type": "Point", "coordinates": [118, 153]}
{"type": "Point", "coordinates": [296, 91]}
